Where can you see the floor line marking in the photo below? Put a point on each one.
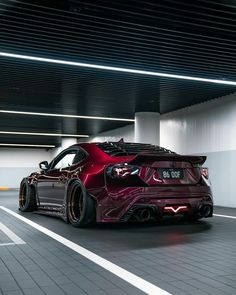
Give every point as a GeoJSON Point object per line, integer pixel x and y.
{"type": "Point", "coordinates": [6, 244]}
{"type": "Point", "coordinates": [12, 236]}
{"type": "Point", "coordinates": [127, 276]}
{"type": "Point", "coordinates": [226, 216]}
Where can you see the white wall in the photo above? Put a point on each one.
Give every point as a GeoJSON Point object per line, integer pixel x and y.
{"type": "Point", "coordinates": [208, 128]}
{"type": "Point", "coordinates": [16, 163]}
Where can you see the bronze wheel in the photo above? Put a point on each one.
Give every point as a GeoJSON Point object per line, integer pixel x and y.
{"type": "Point", "coordinates": [76, 204]}
{"type": "Point", "coordinates": [22, 196]}
{"type": "Point", "coordinates": [80, 206]}
{"type": "Point", "coordinates": [27, 197]}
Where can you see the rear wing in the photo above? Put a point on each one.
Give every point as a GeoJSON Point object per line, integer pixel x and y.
{"type": "Point", "coordinates": [194, 160]}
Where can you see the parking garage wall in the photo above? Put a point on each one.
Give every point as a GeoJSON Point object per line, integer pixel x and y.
{"type": "Point", "coordinates": [16, 163]}
{"type": "Point", "coordinates": [209, 129]}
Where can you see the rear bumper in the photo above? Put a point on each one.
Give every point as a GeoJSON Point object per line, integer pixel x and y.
{"type": "Point", "coordinates": [118, 204]}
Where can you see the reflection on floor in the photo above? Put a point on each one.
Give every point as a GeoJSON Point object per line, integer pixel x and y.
{"type": "Point", "coordinates": [178, 257]}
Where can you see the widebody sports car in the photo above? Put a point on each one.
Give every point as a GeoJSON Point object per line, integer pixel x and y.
{"type": "Point", "coordinates": [118, 182]}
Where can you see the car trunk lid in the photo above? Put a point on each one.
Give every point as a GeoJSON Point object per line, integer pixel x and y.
{"type": "Point", "coordinates": [168, 169]}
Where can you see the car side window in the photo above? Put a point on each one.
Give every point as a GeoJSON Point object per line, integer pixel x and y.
{"type": "Point", "coordinates": [81, 155]}
{"type": "Point", "coordinates": [66, 161]}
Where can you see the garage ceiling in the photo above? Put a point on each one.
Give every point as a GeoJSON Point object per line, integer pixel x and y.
{"type": "Point", "coordinates": [192, 38]}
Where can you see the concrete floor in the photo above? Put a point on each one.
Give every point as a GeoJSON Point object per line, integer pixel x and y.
{"type": "Point", "coordinates": [178, 257]}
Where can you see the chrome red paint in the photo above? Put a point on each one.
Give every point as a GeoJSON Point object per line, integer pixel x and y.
{"type": "Point", "coordinates": [116, 197]}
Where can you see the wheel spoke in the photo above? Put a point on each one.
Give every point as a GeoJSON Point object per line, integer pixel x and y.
{"type": "Point", "coordinates": [22, 198]}
{"type": "Point", "coordinates": [76, 205]}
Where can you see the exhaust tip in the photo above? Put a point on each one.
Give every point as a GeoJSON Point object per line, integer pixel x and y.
{"type": "Point", "coordinates": [206, 211]}
{"type": "Point", "coordinates": [143, 215]}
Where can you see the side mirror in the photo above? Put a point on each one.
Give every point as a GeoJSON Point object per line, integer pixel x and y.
{"type": "Point", "coordinates": [44, 165]}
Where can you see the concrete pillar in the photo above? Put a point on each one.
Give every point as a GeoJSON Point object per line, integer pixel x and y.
{"type": "Point", "coordinates": [67, 141]}
{"type": "Point", "coordinates": [147, 127]}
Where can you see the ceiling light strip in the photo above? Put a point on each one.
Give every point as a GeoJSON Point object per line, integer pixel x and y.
{"type": "Point", "coordinates": [65, 116]}
{"type": "Point", "coordinates": [117, 69]}
{"type": "Point", "coordinates": [43, 134]}
{"type": "Point", "coordinates": [27, 145]}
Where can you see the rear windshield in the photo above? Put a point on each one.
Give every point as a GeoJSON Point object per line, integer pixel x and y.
{"type": "Point", "coordinates": [126, 149]}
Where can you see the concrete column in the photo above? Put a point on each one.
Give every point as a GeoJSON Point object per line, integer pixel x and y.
{"type": "Point", "coordinates": [67, 141]}
{"type": "Point", "coordinates": [147, 127]}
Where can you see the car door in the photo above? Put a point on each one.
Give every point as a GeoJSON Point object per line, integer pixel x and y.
{"type": "Point", "coordinates": [51, 184]}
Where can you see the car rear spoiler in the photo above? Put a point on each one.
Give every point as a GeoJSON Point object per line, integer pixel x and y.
{"type": "Point", "coordinates": [168, 157]}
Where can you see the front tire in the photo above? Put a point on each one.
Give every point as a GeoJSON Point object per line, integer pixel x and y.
{"type": "Point", "coordinates": [27, 197]}
{"type": "Point", "coordinates": [80, 206]}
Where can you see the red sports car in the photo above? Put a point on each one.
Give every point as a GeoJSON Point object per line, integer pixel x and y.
{"type": "Point", "coordinates": [118, 182]}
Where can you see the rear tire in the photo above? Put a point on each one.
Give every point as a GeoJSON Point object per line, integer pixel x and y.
{"type": "Point", "coordinates": [27, 197]}
{"type": "Point", "coordinates": [80, 206]}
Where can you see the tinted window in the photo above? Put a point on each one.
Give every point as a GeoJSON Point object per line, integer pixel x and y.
{"type": "Point", "coordinates": [81, 155]}
{"type": "Point", "coordinates": [65, 161]}
{"type": "Point", "coordinates": [123, 148]}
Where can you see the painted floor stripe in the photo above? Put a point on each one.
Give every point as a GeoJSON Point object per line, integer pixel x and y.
{"type": "Point", "coordinates": [226, 216]}
{"type": "Point", "coordinates": [6, 244]}
{"type": "Point", "coordinates": [2, 188]}
{"type": "Point", "coordinates": [127, 276]}
{"type": "Point", "coordinates": [12, 236]}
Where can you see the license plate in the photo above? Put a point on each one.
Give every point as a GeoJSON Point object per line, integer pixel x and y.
{"type": "Point", "coordinates": [171, 173]}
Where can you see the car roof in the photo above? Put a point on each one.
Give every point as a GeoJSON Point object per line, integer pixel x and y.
{"type": "Point", "coordinates": [121, 148]}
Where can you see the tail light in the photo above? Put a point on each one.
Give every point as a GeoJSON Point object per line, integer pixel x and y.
{"type": "Point", "coordinates": [122, 171]}
{"type": "Point", "coordinates": [205, 172]}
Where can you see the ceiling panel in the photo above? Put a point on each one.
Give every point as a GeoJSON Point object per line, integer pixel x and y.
{"type": "Point", "coordinates": [193, 38]}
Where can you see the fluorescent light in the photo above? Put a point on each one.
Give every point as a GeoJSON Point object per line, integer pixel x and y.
{"type": "Point", "coordinates": [117, 69]}
{"type": "Point", "coordinates": [27, 145]}
{"type": "Point", "coordinates": [65, 116]}
{"type": "Point", "coordinates": [43, 134]}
